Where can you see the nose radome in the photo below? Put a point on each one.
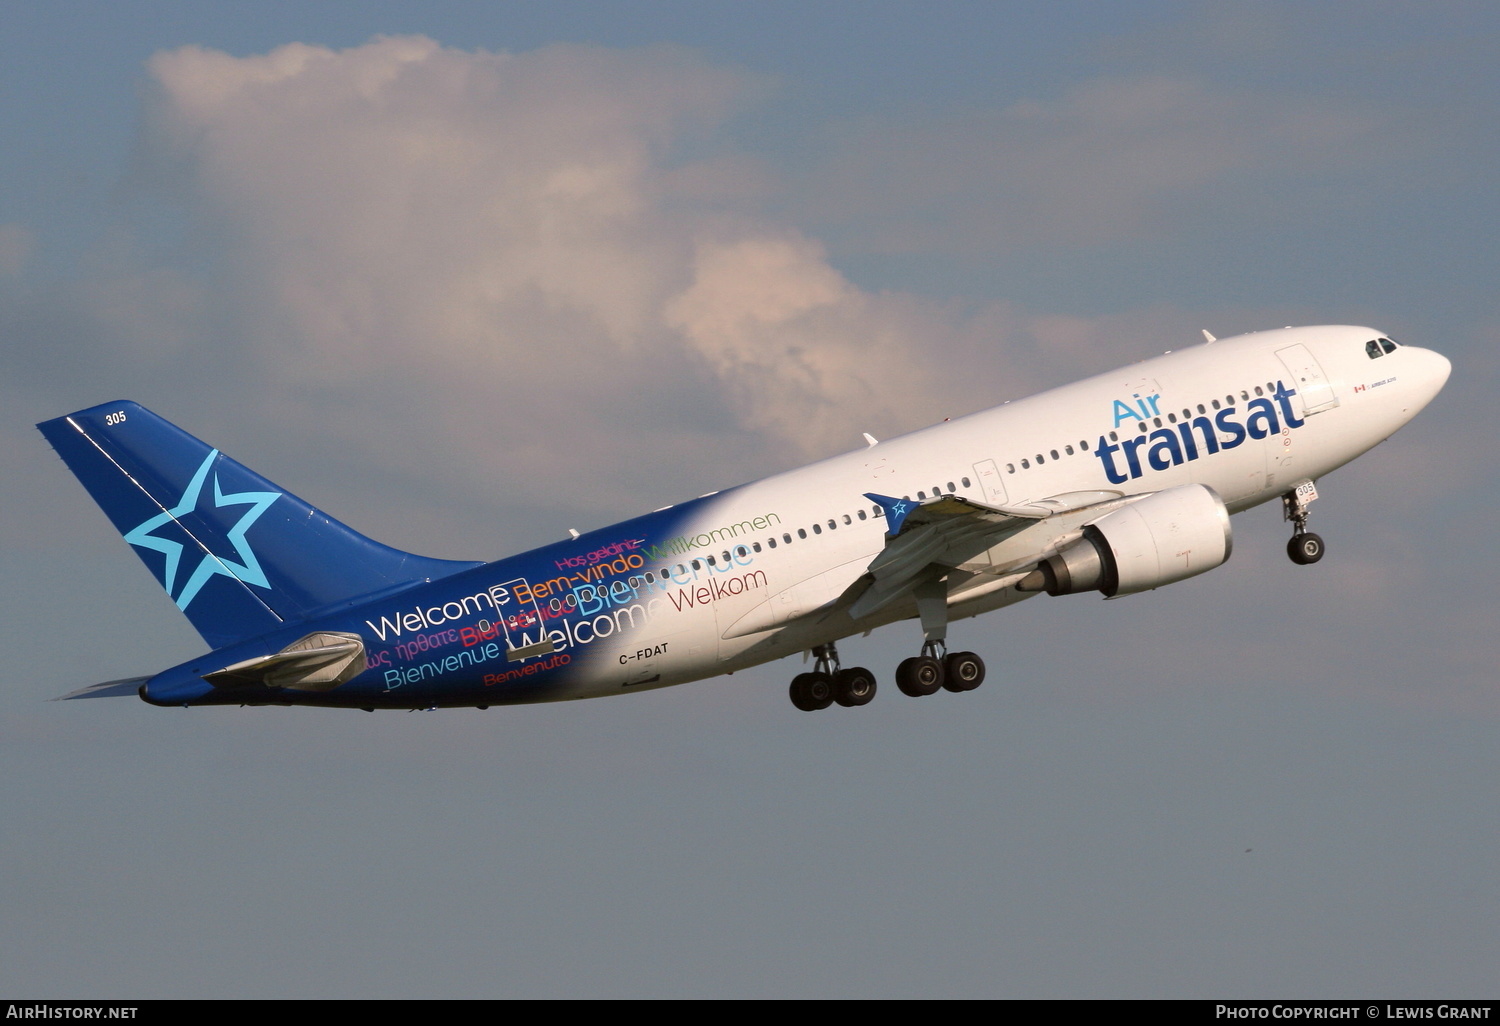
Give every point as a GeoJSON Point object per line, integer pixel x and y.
{"type": "Point", "coordinates": [1442, 368]}
{"type": "Point", "coordinates": [1435, 368]}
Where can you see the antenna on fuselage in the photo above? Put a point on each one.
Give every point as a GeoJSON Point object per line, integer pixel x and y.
{"type": "Point", "coordinates": [1207, 337]}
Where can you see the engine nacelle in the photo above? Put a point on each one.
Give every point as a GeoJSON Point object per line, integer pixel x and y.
{"type": "Point", "coordinates": [1166, 537]}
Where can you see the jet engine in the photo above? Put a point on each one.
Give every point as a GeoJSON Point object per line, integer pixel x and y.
{"type": "Point", "coordinates": [1166, 537]}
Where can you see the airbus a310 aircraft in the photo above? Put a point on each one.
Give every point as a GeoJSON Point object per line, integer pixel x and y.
{"type": "Point", "coordinates": [1117, 484]}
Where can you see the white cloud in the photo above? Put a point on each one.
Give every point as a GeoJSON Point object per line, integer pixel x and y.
{"type": "Point", "coordinates": [549, 269]}
{"type": "Point", "coordinates": [505, 261]}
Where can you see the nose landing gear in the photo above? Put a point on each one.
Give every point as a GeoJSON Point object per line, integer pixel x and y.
{"type": "Point", "coordinates": [1305, 548]}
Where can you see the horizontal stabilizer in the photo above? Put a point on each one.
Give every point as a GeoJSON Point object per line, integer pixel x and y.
{"type": "Point", "coordinates": [319, 662]}
{"type": "Point", "coordinates": [128, 687]}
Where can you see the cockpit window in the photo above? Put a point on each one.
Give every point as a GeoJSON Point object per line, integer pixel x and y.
{"type": "Point", "coordinates": [1373, 350]}
{"type": "Point", "coordinates": [1387, 345]}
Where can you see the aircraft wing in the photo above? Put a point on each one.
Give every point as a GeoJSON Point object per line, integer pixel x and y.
{"type": "Point", "coordinates": [926, 541]}
{"type": "Point", "coordinates": [950, 532]}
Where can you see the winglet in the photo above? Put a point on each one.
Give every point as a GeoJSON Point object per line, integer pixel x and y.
{"type": "Point", "coordinates": [896, 511]}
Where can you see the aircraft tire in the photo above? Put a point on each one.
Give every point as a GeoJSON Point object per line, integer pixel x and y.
{"type": "Point", "coordinates": [963, 671]}
{"type": "Point", "coordinates": [853, 687]}
{"type": "Point", "coordinates": [812, 691]}
{"type": "Point", "coordinates": [919, 675]}
{"type": "Point", "coordinates": [1305, 549]}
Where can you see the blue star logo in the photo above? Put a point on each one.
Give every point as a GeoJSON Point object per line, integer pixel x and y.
{"type": "Point", "coordinates": [899, 508]}
{"type": "Point", "coordinates": [247, 569]}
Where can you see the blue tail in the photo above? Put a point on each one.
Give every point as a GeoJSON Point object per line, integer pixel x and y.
{"type": "Point", "coordinates": [237, 554]}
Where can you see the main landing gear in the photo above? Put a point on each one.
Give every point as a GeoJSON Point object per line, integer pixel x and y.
{"type": "Point", "coordinates": [926, 674]}
{"type": "Point", "coordinates": [828, 683]}
{"type": "Point", "coordinates": [1305, 547]}
{"type": "Point", "coordinates": [929, 673]}
{"type": "Point", "coordinates": [936, 669]}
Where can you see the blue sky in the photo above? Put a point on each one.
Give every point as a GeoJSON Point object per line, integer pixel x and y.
{"type": "Point", "coordinates": [462, 273]}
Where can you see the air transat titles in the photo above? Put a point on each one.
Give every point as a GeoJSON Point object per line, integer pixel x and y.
{"type": "Point", "coordinates": [1169, 447]}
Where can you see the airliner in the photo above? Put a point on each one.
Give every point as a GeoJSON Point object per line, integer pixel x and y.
{"type": "Point", "coordinates": [1114, 485]}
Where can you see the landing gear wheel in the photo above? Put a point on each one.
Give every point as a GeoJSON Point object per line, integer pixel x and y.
{"type": "Point", "coordinates": [854, 686]}
{"type": "Point", "coordinates": [963, 671]}
{"type": "Point", "coordinates": [1305, 549]}
{"type": "Point", "coordinates": [812, 691]}
{"type": "Point", "coordinates": [919, 675]}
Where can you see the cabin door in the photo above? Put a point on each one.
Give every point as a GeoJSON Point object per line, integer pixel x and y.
{"type": "Point", "coordinates": [1314, 390]}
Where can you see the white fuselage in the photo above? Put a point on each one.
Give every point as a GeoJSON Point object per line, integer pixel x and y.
{"type": "Point", "coordinates": [786, 548]}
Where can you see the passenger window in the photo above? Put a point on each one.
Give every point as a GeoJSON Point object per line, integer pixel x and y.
{"type": "Point", "coordinates": [771, 542]}
{"type": "Point", "coordinates": [1172, 417]}
{"type": "Point", "coordinates": [710, 562]}
{"type": "Point", "coordinates": [1215, 404]}
{"type": "Point", "coordinates": [1025, 464]}
{"type": "Point", "coordinates": [1141, 425]}
{"type": "Point", "coordinates": [847, 519]}
{"type": "Point", "coordinates": [966, 483]}
{"type": "Point", "coordinates": [833, 525]}
{"type": "Point", "coordinates": [1084, 445]}
{"type": "Point", "coordinates": [756, 546]}
{"type": "Point", "coordinates": [861, 514]}
{"type": "Point", "coordinates": [1258, 391]}
{"type": "Point", "coordinates": [801, 532]}
{"type": "Point", "coordinates": [1055, 455]}
{"type": "Point", "coordinates": [788, 538]}
{"type": "Point", "coordinates": [817, 529]}
{"type": "Point", "coordinates": [1010, 468]}
{"type": "Point", "coordinates": [697, 565]}
{"type": "Point", "coordinates": [1039, 459]}
{"type": "Point", "coordinates": [921, 495]}
{"type": "Point", "coordinates": [1201, 409]}
{"type": "Point", "coordinates": [1068, 450]}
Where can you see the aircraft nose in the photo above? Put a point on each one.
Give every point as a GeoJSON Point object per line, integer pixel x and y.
{"type": "Point", "coordinates": [1441, 369]}
{"type": "Point", "coordinates": [1433, 371]}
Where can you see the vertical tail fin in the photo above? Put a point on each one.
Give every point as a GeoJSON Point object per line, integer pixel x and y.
{"type": "Point", "coordinates": [238, 555]}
